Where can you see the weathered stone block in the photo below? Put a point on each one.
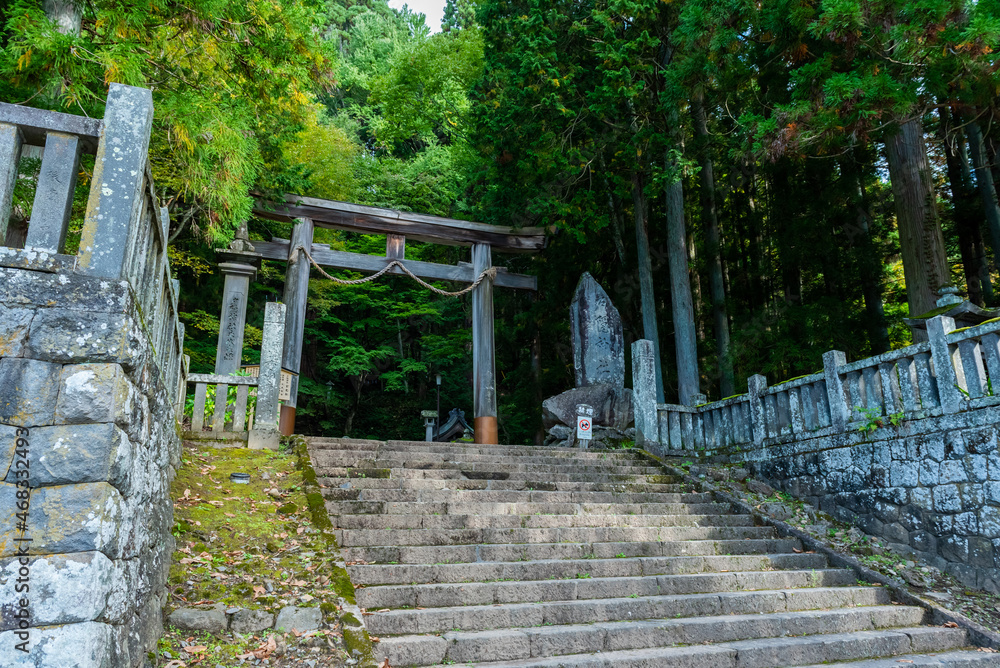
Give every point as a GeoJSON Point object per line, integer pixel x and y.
{"type": "Point", "coordinates": [981, 552]}
{"type": "Point", "coordinates": [946, 499]}
{"type": "Point", "coordinates": [65, 588]}
{"type": "Point", "coordinates": [598, 342]}
{"type": "Point", "coordinates": [929, 473]}
{"type": "Point", "coordinates": [75, 518]}
{"type": "Point", "coordinates": [69, 336]}
{"type": "Point", "coordinates": [955, 548]}
{"type": "Point", "coordinates": [965, 524]}
{"type": "Point", "coordinates": [923, 541]}
{"type": "Point", "coordinates": [981, 441]}
{"type": "Point", "coordinates": [65, 454]}
{"type": "Point", "coordinates": [251, 621]}
{"type": "Point", "coordinates": [301, 619]}
{"type": "Point", "coordinates": [971, 495]}
{"type": "Point", "coordinates": [921, 497]}
{"type": "Point", "coordinates": [954, 445]}
{"type": "Point", "coordinates": [612, 406]}
{"type": "Point", "coordinates": [903, 474]}
{"type": "Point", "coordinates": [977, 468]}
{"type": "Point", "coordinates": [200, 619]}
{"type": "Point", "coordinates": [931, 446]}
{"type": "Point", "coordinates": [72, 291]}
{"type": "Point", "coordinates": [952, 471]}
{"type": "Point", "coordinates": [28, 391]}
{"type": "Point", "coordinates": [14, 324]}
{"type": "Point", "coordinates": [84, 645]}
{"type": "Point", "coordinates": [989, 521]}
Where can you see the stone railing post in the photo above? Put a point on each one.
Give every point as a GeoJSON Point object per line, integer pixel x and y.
{"type": "Point", "coordinates": [839, 410]}
{"type": "Point", "coordinates": [944, 367]}
{"type": "Point", "coordinates": [116, 187]}
{"type": "Point", "coordinates": [756, 387]}
{"type": "Point", "coordinates": [264, 435]}
{"type": "Point", "coordinates": [644, 393]}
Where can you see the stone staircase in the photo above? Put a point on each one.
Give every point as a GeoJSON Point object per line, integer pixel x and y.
{"type": "Point", "coordinates": [553, 557]}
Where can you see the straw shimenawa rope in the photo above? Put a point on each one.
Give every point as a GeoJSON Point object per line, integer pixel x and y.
{"type": "Point", "coordinates": [491, 272]}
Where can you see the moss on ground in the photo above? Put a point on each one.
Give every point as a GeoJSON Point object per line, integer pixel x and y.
{"type": "Point", "coordinates": [255, 546]}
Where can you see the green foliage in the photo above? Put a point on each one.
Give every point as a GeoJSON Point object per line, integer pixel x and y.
{"type": "Point", "coordinates": [231, 83]}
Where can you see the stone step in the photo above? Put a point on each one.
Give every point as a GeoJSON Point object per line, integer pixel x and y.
{"type": "Point", "coordinates": [621, 590]}
{"type": "Point", "coordinates": [807, 634]}
{"type": "Point", "coordinates": [464, 508]}
{"type": "Point", "coordinates": [959, 659]}
{"type": "Point", "coordinates": [424, 459]}
{"type": "Point", "coordinates": [520, 484]}
{"type": "Point", "coordinates": [379, 537]}
{"type": "Point", "coordinates": [748, 654]}
{"type": "Point", "coordinates": [370, 521]}
{"type": "Point", "coordinates": [493, 474]}
{"type": "Point", "coordinates": [376, 467]}
{"type": "Point", "coordinates": [511, 496]}
{"type": "Point", "coordinates": [520, 557]}
{"type": "Point", "coordinates": [459, 449]}
{"type": "Point", "coordinates": [455, 554]}
{"type": "Point", "coordinates": [480, 618]}
{"type": "Point", "coordinates": [560, 569]}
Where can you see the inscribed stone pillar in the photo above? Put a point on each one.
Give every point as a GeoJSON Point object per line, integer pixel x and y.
{"type": "Point", "coordinates": [644, 392]}
{"type": "Point", "coordinates": [484, 388]}
{"type": "Point", "coordinates": [598, 342]}
{"type": "Point", "coordinates": [295, 297]}
{"type": "Point", "coordinates": [264, 435]}
{"type": "Point", "coordinates": [233, 319]}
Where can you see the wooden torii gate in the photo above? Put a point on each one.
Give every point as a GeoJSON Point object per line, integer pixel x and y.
{"type": "Point", "coordinates": [397, 226]}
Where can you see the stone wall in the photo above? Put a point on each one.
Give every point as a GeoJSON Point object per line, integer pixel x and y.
{"type": "Point", "coordinates": [931, 487]}
{"type": "Point", "coordinates": [78, 373]}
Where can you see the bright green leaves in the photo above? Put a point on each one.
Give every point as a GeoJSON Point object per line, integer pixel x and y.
{"type": "Point", "coordinates": [231, 83]}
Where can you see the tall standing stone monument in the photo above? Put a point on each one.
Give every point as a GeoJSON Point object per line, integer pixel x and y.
{"type": "Point", "coordinates": [599, 369]}
{"type": "Point", "coordinates": [598, 342]}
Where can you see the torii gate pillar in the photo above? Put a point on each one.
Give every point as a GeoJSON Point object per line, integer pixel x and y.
{"type": "Point", "coordinates": [295, 296]}
{"type": "Point", "coordinates": [484, 384]}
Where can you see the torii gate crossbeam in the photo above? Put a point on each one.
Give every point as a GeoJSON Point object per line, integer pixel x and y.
{"type": "Point", "coordinates": [397, 226]}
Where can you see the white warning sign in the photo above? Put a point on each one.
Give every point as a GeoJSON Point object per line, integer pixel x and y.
{"type": "Point", "coordinates": [584, 426]}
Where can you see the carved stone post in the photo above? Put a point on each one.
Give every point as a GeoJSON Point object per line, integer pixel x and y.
{"type": "Point", "coordinates": [756, 387]}
{"type": "Point", "coordinates": [644, 392]}
{"type": "Point", "coordinates": [840, 412]}
{"type": "Point", "coordinates": [484, 384]}
{"type": "Point", "coordinates": [945, 369]}
{"type": "Point", "coordinates": [264, 435]}
{"type": "Point", "coordinates": [116, 200]}
{"type": "Point", "coordinates": [239, 268]}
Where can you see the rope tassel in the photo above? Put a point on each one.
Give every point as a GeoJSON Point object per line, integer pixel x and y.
{"type": "Point", "coordinates": [491, 272]}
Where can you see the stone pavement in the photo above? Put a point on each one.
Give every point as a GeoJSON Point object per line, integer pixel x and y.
{"type": "Point", "coordinates": [504, 557]}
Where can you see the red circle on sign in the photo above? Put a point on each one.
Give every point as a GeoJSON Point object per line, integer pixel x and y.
{"type": "Point", "coordinates": [584, 425]}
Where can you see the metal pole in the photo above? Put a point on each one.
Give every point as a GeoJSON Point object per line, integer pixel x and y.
{"type": "Point", "coordinates": [437, 429]}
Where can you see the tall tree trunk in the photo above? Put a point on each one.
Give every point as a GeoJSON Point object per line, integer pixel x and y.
{"type": "Point", "coordinates": [693, 270]}
{"type": "Point", "coordinates": [967, 218]}
{"type": "Point", "coordinates": [921, 242]}
{"type": "Point", "coordinates": [710, 220]}
{"type": "Point", "coordinates": [645, 264]}
{"type": "Point", "coordinates": [685, 343]}
{"type": "Point", "coordinates": [614, 212]}
{"type": "Point", "coordinates": [870, 263]}
{"type": "Point", "coordinates": [987, 191]}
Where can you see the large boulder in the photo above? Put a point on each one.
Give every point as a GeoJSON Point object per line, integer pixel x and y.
{"type": "Point", "coordinates": [598, 341]}
{"type": "Point", "coordinates": [612, 406]}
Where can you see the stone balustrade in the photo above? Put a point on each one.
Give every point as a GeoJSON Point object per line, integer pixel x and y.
{"type": "Point", "coordinates": [904, 444]}
{"type": "Point", "coordinates": [91, 382]}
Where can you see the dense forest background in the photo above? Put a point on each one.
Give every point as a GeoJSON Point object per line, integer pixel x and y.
{"type": "Point", "coordinates": [754, 183]}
